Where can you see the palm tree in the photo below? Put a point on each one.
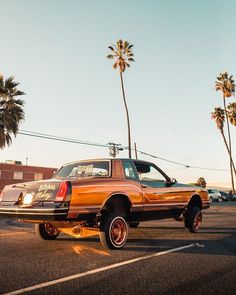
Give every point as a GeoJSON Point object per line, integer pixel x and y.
{"type": "Point", "coordinates": [219, 116]}
{"type": "Point", "coordinates": [232, 113]}
{"type": "Point", "coordinates": [11, 110]}
{"type": "Point", "coordinates": [225, 84]}
{"type": "Point", "coordinates": [122, 53]}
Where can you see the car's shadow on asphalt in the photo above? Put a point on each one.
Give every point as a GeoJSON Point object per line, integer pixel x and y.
{"type": "Point", "coordinates": [225, 246]}
{"type": "Point", "coordinates": [149, 244]}
{"type": "Point", "coordinates": [15, 223]}
{"type": "Point", "coordinates": [204, 230]}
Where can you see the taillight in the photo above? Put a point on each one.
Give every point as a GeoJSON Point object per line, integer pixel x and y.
{"type": "Point", "coordinates": [62, 192]}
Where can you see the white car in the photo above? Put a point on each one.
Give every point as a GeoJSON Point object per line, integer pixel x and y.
{"type": "Point", "coordinates": [214, 195]}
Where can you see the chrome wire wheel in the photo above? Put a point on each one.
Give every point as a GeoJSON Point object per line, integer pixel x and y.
{"type": "Point", "coordinates": [193, 219]}
{"type": "Point", "coordinates": [197, 221]}
{"type": "Point", "coordinates": [113, 231]}
{"type": "Point", "coordinates": [118, 231]}
{"type": "Point", "coordinates": [46, 231]}
{"type": "Point", "coordinates": [51, 230]}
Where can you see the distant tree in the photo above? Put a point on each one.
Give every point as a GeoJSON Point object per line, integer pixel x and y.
{"type": "Point", "coordinates": [122, 54]}
{"type": "Point", "coordinates": [225, 84]}
{"type": "Point", "coordinates": [201, 182]}
{"type": "Point", "coordinates": [11, 110]}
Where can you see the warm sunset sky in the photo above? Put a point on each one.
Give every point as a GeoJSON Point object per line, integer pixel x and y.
{"type": "Point", "coordinates": [56, 49]}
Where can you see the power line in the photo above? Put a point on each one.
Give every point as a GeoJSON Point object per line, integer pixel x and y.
{"type": "Point", "coordinates": [178, 163]}
{"type": "Point", "coordinates": [77, 141]}
{"type": "Point", "coordinates": [163, 159]}
{"type": "Point", "coordinates": [177, 169]}
{"type": "Point", "coordinates": [58, 138]}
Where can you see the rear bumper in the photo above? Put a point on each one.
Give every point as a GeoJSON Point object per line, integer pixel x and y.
{"type": "Point", "coordinates": [34, 213]}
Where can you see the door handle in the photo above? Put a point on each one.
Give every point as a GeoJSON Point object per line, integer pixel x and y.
{"type": "Point", "coordinates": [144, 185]}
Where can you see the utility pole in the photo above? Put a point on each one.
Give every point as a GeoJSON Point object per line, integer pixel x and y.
{"type": "Point", "coordinates": [114, 149]}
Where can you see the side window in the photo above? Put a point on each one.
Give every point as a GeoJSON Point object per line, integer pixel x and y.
{"type": "Point", "coordinates": [150, 176]}
{"type": "Point", "coordinates": [129, 171]}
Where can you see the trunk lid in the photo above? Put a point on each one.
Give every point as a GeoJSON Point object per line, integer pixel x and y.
{"type": "Point", "coordinates": [45, 191]}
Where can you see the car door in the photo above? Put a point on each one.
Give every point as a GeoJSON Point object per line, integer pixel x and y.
{"type": "Point", "coordinates": [159, 192]}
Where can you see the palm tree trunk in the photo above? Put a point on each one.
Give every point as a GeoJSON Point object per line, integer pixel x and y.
{"type": "Point", "coordinates": [230, 148]}
{"type": "Point", "coordinates": [127, 113]}
{"type": "Point", "coordinates": [227, 147]}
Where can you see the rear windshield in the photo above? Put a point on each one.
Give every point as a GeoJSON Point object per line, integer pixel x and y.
{"type": "Point", "coordinates": [84, 169]}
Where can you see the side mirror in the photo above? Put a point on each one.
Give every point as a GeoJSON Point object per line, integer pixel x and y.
{"type": "Point", "coordinates": [171, 182]}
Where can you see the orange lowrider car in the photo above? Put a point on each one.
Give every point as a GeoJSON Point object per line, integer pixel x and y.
{"type": "Point", "coordinates": [104, 195]}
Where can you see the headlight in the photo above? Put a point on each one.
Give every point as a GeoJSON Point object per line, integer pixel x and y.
{"type": "Point", "coordinates": [27, 199]}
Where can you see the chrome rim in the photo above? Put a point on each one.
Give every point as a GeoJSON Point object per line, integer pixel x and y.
{"type": "Point", "coordinates": [197, 221]}
{"type": "Point", "coordinates": [51, 230]}
{"type": "Point", "coordinates": [118, 231]}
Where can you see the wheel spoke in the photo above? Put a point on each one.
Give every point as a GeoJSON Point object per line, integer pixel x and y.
{"type": "Point", "coordinates": [197, 221]}
{"type": "Point", "coordinates": [118, 232]}
{"type": "Point", "coordinates": [50, 229]}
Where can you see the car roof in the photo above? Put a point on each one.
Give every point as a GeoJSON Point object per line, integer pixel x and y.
{"type": "Point", "coordinates": [107, 159]}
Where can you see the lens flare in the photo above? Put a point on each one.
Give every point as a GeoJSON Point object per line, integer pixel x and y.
{"type": "Point", "coordinates": [80, 249]}
{"type": "Point", "coordinates": [79, 231]}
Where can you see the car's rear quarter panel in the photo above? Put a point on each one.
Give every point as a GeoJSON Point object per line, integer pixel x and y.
{"type": "Point", "coordinates": [90, 196]}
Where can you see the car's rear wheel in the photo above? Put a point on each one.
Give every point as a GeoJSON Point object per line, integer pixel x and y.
{"type": "Point", "coordinates": [193, 219]}
{"type": "Point", "coordinates": [113, 231]}
{"type": "Point", "coordinates": [46, 231]}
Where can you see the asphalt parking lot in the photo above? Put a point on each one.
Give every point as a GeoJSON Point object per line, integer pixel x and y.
{"type": "Point", "coordinates": [160, 257]}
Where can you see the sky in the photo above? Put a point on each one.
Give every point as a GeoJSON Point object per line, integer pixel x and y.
{"type": "Point", "coordinates": [57, 50]}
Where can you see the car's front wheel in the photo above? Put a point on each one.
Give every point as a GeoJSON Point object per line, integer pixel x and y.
{"type": "Point", "coordinates": [193, 219]}
{"type": "Point", "coordinates": [46, 231]}
{"type": "Point", "coordinates": [113, 231]}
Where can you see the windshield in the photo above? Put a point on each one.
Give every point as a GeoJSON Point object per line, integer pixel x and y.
{"type": "Point", "coordinates": [84, 169]}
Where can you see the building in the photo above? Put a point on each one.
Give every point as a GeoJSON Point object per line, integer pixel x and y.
{"type": "Point", "coordinates": [14, 172]}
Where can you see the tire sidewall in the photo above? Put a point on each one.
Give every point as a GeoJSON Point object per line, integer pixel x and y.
{"type": "Point", "coordinates": [110, 232]}
{"type": "Point", "coordinates": [106, 232]}
{"type": "Point", "coordinates": [42, 232]}
{"type": "Point", "coordinates": [193, 213]}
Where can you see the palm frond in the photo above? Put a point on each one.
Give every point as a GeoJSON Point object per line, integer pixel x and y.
{"type": "Point", "coordinates": [122, 54]}
{"type": "Point", "coordinates": [110, 56]}
{"type": "Point", "coordinates": [110, 47]}
{"type": "Point", "coordinates": [11, 110]}
{"type": "Point", "coordinates": [225, 84]}
{"type": "Point", "coordinates": [219, 116]}
{"type": "Point", "coordinates": [18, 93]}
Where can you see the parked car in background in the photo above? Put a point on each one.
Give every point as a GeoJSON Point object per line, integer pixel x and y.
{"type": "Point", "coordinates": [214, 195]}
{"type": "Point", "coordinates": [232, 197]}
{"type": "Point", "coordinates": [225, 196]}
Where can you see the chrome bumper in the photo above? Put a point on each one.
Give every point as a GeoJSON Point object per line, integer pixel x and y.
{"type": "Point", "coordinates": [34, 213]}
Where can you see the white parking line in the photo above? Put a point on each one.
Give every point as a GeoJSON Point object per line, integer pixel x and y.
{"type": "Point", "coordinates": [98, 270]}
